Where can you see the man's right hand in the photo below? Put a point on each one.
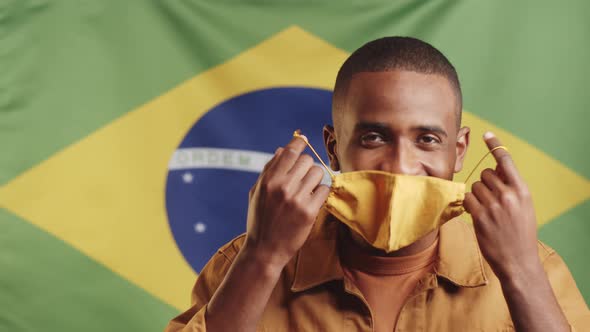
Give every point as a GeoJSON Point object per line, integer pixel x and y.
{"type": "Point", "coordinates": [284, 204]}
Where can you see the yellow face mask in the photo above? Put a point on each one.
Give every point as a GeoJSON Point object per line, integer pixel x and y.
{"type": "Point", "coordinates": [391, 211]}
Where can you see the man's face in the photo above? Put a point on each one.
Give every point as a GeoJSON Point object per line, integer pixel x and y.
{"type": "Point", "coordinates": [400, 122]}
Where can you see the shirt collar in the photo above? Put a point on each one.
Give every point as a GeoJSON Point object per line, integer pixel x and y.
{"type": "Point", "coordinates": [318, 260]}
{"type": "Point", "coordinates": [460, 260]}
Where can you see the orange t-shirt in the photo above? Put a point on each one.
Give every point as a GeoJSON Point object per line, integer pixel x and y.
{"type": "Point", "coordinates": [386, 282]}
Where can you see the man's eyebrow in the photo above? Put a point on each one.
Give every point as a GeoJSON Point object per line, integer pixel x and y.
{"type": "Point", "coordinates": [431, 129]}
{"type": "Point", "coordinates": [370, 126]}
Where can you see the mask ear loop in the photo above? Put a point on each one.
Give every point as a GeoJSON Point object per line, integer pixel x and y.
{"type": "Point", "coordinates": [483, 158]}
{"type": "Point", "coordinates": [297, 133]}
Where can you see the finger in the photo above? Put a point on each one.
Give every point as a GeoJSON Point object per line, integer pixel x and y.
{"type": "Point", "coordinates": [502, 157]}
{"type": "Point", "coordinates": [272, 160]}
{"type": "Point", "coordinates": [311, 180]}
{"type": "Point", "coordinates": [493, 181]}
{"type": "Point", "coordinates": [289, 155]}
{"type": "Point", "coordinates": [471, 204]}
{"type": "Point", "coordinates": [319, 196]}
{"type": "Point", "coordinates": [264, 170]}
{"type": "Point", "coordinates": [500, 173]}
{"type": "Point", "coordinates": [477, 212]}
{"type": "Point", "coordinates": [300, 168]}
{"type": "Point", "coordinates": [483, 194]}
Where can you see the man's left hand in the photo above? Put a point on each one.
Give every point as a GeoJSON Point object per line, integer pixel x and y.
{"type": "Point", "coordinates": [504, 217]}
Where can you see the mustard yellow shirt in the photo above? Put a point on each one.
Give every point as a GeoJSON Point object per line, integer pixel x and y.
{"type": "Point", "coordinates": [313, 294]}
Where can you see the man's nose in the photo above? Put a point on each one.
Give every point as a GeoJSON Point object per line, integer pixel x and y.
{"type": "Point", "coordinates": [402, 159]}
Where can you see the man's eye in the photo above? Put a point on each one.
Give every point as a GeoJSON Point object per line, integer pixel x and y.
{"type": "Point", "coordinates": [372, 139]}
{"type": "Point", "coordinates": [428, 139]}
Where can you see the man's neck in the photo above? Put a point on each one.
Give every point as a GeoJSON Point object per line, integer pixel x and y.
{"type": "Point", "coordinates": [356, 241]}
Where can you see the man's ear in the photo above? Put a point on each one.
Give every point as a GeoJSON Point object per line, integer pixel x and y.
{"type": "Point", "coordinates": [461, 147]}
{"type": "Point", "coordinates": [330, 144]}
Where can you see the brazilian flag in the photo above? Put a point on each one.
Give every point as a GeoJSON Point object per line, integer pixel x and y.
{"type": "Point", "coordinates": [131, 131]}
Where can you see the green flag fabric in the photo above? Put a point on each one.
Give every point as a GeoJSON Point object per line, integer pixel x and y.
{"type": "Point", "coordinates": [130, 132]}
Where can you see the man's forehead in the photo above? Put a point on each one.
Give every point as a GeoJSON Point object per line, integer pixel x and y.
{"type": "Point", "coordinates": [381, 106]}
{"type": "Point", "coordinates": [400, 79]}
{"type": "Point", "coordinates": [373, 96]}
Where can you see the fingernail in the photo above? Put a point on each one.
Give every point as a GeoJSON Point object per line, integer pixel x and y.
{"type": "Point", "coordinates": [488, 135]}
{"type": "Point", "coordinates": [278, 150]}
{"type": "Point", "coordinates": [303, 136]}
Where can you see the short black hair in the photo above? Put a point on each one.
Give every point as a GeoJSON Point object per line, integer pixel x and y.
{"type": "Point", "coordinates": [396, 53]}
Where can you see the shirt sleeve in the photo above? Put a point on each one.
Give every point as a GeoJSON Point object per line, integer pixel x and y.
{"type": "Point", "coordinates": [207, 283]}
{"type": "Point", "coordinates": [195, 324]}
{"type": "Point", "coordinates": [569, 297]}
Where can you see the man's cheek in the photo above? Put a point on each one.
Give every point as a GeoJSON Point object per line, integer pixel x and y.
{"type": "Point", "coordinates": [356, 163]}
{"type": "Point", "coordinates": [439, 168]}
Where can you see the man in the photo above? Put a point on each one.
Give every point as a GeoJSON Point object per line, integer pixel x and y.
{"type": "Point", "coordinates": [396, 108]}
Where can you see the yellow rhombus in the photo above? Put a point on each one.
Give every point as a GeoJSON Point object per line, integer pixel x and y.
{"type": "Point", "coordinates": [104, 195]}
